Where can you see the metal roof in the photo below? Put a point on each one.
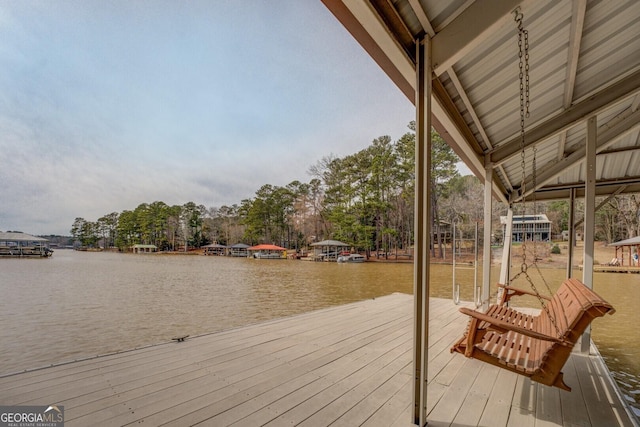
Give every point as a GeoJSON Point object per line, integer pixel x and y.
{"type": "Point", "coordinates": [18, 236]}
{"type": "Point", "coordinates": [528, 219]}
{"type": "Point", "coordinates": [584, 59]}
{"type": "Point", "coordinates": [628, 242]}
{"type": "Point", "coordinates": [239, 246]}
{"type": "Point", "coordinates": [329, 243]}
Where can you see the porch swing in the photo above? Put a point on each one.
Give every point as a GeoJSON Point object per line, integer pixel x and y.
{"type": "Point", "coordinates": [536, 346]}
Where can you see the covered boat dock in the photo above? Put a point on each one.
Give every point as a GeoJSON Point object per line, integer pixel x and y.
{"type": "Point", "coordinates": [633, 245]}
{"type": "Point", "coordinates": [540, 99]}
{"type": "Point", "coordinates": [239, 250]}
{"type": "Point", "coordinates": [215, 249]}
{"type": "Point", "coordinates": [328, 250]}
{"type": "Point", "coordinates": [267, 251]}
{"type": "Point", "coordinates": [16, 244]}
{"type": "Point", "coordinates": [143, 249]}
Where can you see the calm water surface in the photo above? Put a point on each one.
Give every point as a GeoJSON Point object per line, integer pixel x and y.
{"type": "Point", "coordinates": [79, 304]}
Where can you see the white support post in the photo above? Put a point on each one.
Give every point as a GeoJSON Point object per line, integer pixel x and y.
{"type": "Point", "coordinates": [422, 233]}
{"type": "Point", "coordinates": [506, 251]}
{"type": "Point", "coordinates": [572, 232]}
{"type": "Point", "coordinates": [486, 253]}
{"type": "Point", "coordinates": [476, 289]}
{"type": "Point", "coordinates": [589, 216]}
{"type": "Point", "coordinates": [453, 259]}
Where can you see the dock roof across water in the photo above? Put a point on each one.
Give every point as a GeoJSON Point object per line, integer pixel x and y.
{"type": "Point", "coordinates": [628, 242]}
{"type": "Point", "coordinates": [330, 243]}
{"type": "Point", "coordinates": [18, 236]}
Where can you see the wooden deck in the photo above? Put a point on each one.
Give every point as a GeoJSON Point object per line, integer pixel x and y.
{"type": "Point", "coordinates": [616, 269]}
{"type": "Point", "coordinates": [345, 366]}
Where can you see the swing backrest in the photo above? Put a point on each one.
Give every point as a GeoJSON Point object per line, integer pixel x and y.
{"type": "Point", "coordinates": [572, 307]}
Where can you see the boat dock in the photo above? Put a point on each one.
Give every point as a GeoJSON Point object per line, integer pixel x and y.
{"type": "Point", "coordinates": [347, 365]}
{"type": "Point", "coordinates": [616, 269]}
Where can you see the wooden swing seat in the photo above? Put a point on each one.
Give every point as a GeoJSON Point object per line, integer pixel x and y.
{"type": "Point", "coordinates": [530, 344]}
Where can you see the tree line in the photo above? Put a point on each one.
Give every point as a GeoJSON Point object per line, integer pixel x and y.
{"type": "Point", "coordinates": [365, 199]}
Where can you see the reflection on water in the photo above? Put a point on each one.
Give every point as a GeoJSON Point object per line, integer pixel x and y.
{"type": "Point", "coordinates": [80, 304]}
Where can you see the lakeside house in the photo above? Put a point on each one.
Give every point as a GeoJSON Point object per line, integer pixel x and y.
{"type": "Point", "coordinates": [529, 227]}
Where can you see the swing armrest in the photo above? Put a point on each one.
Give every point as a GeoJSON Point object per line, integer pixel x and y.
{"type": "Point", "coordinates": [510, 291]}
{"type": "Point", "coordinates": [503, 327]}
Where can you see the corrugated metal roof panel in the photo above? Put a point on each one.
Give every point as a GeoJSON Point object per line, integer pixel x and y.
{"type": "Point", "coordinates": [483, 84]}
{"type": "Point", "coordinates": [440, 12]}
{"type": "Point", "coordinates": [610, 44]}
{"type": "Point", "coordinates": [18, 236]}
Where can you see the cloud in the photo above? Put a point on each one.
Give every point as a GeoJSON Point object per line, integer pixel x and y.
{"type": "Point", "coordinates": [104, 106]}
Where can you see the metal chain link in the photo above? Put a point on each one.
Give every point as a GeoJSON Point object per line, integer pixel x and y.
{"type": "Point", "coordinates": [523, 65]}
{"type": "Point", "coordinates": [522, 58]}
{"type": "Point", "coordinates": [526, 68]}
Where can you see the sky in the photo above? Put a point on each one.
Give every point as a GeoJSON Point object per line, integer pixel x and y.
{"type": "Point", "coordinates": [105, 105]}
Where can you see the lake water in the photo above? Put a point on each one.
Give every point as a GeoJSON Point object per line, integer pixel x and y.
{"type": "Point", "coordinates": [80, 304]}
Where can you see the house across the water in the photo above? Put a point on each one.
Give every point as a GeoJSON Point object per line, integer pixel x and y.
{"type": "Point", "coordinates": [529, 227]}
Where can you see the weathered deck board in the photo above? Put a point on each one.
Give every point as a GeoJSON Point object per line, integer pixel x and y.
{"type": "Point", "coordinates": [347, 365]}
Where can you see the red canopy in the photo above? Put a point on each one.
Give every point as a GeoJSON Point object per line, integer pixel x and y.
{"type": "Point", "coordinates": [266, 247]}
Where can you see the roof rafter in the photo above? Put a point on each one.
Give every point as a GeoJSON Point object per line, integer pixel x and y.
{"type": "Point", "coordinates": [603, 188]}
{"type": "Point", "coordinates": [592, 105]}
{"type": "Point", "coordinates": [422, 17]}
{"type": "Point", "coordinates": [608, 134]}
{"type": "Point", "coordinates": [374, 35]}
{"type": "Point", "coordinates": [575, 37]}
{"type": "Point", "coordinates": [577, 23]}
{"type": "Point", "coordinates": [473, 26]}
{"type": "Point", "coordinates": [403, 37]}
{"type": "Point", "coordinates": [472, 112]}
{"type": "Point", "coordinates": [471, 152]}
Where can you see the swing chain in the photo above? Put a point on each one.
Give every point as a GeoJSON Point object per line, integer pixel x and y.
{"type": "Point", "coordinates": [523, 55]}
{"type": "Point", "coordinates": [523, 65]}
